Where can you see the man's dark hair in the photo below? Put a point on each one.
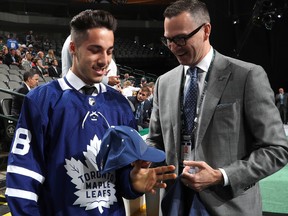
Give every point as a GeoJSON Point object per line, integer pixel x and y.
{"type": "Point", "coordinates": [146, 89]}
{"type": "Point", "coordinates": [29, 74]}
{"type": "Point", "coordinates": [197, 9]}
{"type": "Point", "coordinates": [91, 19]}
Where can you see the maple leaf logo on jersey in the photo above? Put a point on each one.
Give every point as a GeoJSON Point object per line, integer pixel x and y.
{"type": "Point", "coordinates": [94, 190]}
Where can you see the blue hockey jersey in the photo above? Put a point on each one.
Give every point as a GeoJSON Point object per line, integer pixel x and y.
{"type": "Point", "coordinates": [52, 166]}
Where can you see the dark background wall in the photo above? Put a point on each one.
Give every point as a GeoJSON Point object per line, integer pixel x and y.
{"type": "Point", "coordinates": [233, 32]}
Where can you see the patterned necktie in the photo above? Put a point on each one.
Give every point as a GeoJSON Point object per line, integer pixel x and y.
{"type": "Point", "coordinates": [190, 100]}
{"type": "Point", "coordinates": [88, 90]}
{"type": "Point", "coordinates": [139, 111]}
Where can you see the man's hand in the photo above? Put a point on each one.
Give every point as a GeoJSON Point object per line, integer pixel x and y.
{"type": "Point", "coordinates": [198, 175]}
{"type": "Point", "coordinates": [148, 179]}
{"type": "Point", "coordinates": [113, 80]}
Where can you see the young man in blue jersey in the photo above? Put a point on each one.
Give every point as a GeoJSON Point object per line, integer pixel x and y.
{"type": "Point", "coordinates": [51, 168]}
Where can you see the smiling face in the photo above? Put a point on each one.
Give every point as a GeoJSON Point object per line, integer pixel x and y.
{"type": "Point", "coordinates": [196, 47]}
{"type": "Point", "coordinates": [92, 56]}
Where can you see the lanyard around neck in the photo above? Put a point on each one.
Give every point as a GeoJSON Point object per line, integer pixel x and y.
{"type": "Point", "coordinates": [202, 95]}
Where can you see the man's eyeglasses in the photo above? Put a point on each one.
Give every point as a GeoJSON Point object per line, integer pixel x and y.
{"type": "Point", "coordinates": [181, 39]}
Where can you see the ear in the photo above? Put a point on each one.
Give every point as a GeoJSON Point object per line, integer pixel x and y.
{"type": "Point", "coordinates": [207, 30]}
{"type": "Point", "coordinates": [72, 48]}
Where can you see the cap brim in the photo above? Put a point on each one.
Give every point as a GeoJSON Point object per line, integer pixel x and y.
{"type": "Point", "coordinates": [118, 149]}
{"type": "Point", "coordinates": [153, 155]}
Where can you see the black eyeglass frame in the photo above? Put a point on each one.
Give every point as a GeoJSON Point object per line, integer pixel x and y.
{"type": "Point", "coordinates": [183, 38]}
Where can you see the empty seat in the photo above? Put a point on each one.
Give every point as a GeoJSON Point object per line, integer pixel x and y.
{"type": "Point", "coordinates": [9, 125]}
{"type": "Point", "coordinates": [4, 71]}
{"type": "Point", "coordinates": [139, 72]}
{"type": "Point", "coordinates": [3, 85]}
{"type": "Point", "coordinates": [14, 71]}
{"type": "Point", "coordinates": [41, 79]}
{"type": "Point", "coordinates": [6, 105]}
{"type": "Point", "coordinates": [12, 66]}
{"type": "Point", "coordinates": [22, 72]}
{"type": "Point", "coordinates": [2, 93]}
{"type": "Point", "coordinates": [48, 79]}
{"type": "Point", "coordinates": [15, 77]}
{"type": "Point", "coordinates": [4, 77]}
{"type": "Point", "coordinates": [13, 84]}
{"type": "Point", "coordinates": [4, 66]}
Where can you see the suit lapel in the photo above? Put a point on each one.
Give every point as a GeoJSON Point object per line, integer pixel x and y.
{"type": "Point", "coordinates": [55, 71]}
{"type": "Point", "coordinates": [174, 106]}
{"type": "Point", "coordinates": [218, 79]}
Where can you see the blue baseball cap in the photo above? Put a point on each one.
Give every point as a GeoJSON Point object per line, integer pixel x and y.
{"type": "Point", "coordinates": [122, 145]}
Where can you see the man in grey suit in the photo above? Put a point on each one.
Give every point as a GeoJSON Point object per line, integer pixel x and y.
{"type": "Point", "coordinates": [238, 139]}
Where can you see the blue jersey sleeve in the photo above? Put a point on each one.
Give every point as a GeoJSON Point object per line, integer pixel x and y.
{"type": "Point", "coordinates": [25, 173]}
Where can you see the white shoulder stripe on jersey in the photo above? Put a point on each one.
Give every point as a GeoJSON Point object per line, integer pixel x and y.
{"type": "Point", "coordinates": [25, 172]}
{"type": "Point", "coordinates": [63, 84]}
{"type": "Point", "coordinates": [21, 194]}
{"type": "Point", "coordinates": [103, 88]}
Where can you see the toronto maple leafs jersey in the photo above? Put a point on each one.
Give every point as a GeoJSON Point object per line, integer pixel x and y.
{"type": "Point", "coordinates": [52, 166]}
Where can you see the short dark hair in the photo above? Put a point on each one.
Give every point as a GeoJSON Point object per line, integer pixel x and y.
{"type": "Point", "coordinates": [29, 74]}
{"type": "Point", "coordinates": [197, 9]}
{"type": "Point", "coordinates": [146, 89]}
{"type": "Point", "coordinates": [143, 79]}
{"type": "Point", "coordinates": [91, 19]}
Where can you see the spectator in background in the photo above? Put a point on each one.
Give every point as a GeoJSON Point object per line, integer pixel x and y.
{"type": "Point", "coordinates": [31, 50]}
{"type": "Point", "coordinates": [30, 40]}
{"type": "Point", "coordinates": [12, 43]}
{"type": "Point", "coordinates": [5, 51]}
{"type": "Point", "coordinates": [281, 103]}
{"type": "Point", "coordinates": [19, 57]}
{"type": "Point", "coordinates": [128, 89]}
{"type": "Point", "coordinates": [125, 78]}
{"type": "Point", "coordinates": [143, 82]}
{"type": "Point", "coordinates": [142, 107]}
{"type": "Point", "coordinates": [23, 50]}
{"type": "Point", "coordinates": [132, 79]}
{"type": "Point", "coordinates": [54, 70]}
{"type": "Point", "coordinates": [41, 56]}
{"type": "Point", "coordinates": [151, 85]}
{"type": "Point", "coordinates": [30, 81]}
{"type": "Point", "coordinates": [50, 57]}
{"type": "Point", "coordinates": [2, 44]}
{"type": "Point", "coordinates": [40, 69]}
{"type": "Point", "coordinates": [11, 58]}
{"type": "Point", "coordinates": [27, 62]}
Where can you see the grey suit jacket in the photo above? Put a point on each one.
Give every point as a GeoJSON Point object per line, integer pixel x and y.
{"type": "Point", "coordinates": [240, 130]}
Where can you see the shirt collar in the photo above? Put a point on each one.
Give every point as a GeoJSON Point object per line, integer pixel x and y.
{"type": "Point", "coordinates": [76, 82]}
{"type": "Point", "coordinates": [27, 86]}
{"type": "Point", "coordinates": [204, 63]}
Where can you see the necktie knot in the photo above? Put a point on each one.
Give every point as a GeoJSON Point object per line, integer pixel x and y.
{"type": "Point", "coordinates": [88, 90]}
{"type": "Point", "coordinates": [192, 72]}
